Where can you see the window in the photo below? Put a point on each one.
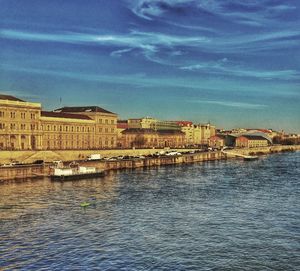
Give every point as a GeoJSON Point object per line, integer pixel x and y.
{"type": "Point", "coordinates": [112, 122]}
{"type": "Point", "coordinates": [32, 115]}
{"type": "Point", "coordinates": [2, 126]}
{"type": "Point", "coordinates": [1, 114]}
{"type": "Point", "coordinates": [106, 121]}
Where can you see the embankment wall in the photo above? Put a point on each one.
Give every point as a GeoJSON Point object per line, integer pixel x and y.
{"type": "Point", "coordinates": [68, 155]}
{"type": "Point", "coordinates": [32, 171]}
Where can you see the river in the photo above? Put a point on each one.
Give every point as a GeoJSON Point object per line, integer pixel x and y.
{"type": "Point", "coordinates": [221, 215]}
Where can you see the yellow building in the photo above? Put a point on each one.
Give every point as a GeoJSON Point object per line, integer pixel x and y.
{"type": "Point", "coordinates": [142, 123]}
{"type": "Point", "coordinates": [105, 131]}
{"type": "Point", "coordinates": [197, 134]}
{"type": "Point", "coordinates": [62, 131]}
{"type": "Point", "coordinates": [251, 141]}
{"type": "Point", "coordinates": [149, 138]}
{"type": "Point", "coordinates": [19, 124]}
{"type": "Point", "coordinates": [24, 126]}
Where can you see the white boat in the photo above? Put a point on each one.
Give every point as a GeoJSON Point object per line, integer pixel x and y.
{"type": "Point", "coordinates": [250, 157]}
{"type": "Point", "coordinates": [72, 173]}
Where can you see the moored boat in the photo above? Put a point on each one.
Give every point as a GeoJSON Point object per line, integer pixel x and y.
{"type": "Point", "coordinates": [65, 174]}
{"type": "Point", "coordinates": [250, 158]}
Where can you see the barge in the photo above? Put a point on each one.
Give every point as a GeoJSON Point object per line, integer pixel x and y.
{"type": "Point", "coordinates": [70, 174]}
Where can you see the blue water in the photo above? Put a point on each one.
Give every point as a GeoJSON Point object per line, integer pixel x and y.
{"type": "Point", "coordinates": [223, 215]}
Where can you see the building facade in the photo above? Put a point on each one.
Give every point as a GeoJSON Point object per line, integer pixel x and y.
{"type": "Point", "coordinates": [149, 138]}
{"type": "Point", "coordinates": [217, 141]}
{"type": "Point", "coordinates": [19, 124]}
{"type": "Point", "coordinates": [197, 134]}
{"type": "Point", "coordinates": [24, 126]}
{"type": "Point", "coordinates": [152, 123]}
{"type": "Point", "coordinates": [104, 132]}
{"type": "Point", "coordinates": [251, 141]}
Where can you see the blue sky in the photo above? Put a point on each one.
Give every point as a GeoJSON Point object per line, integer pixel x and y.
{"type": "Point", "coordinates": [231, 62]}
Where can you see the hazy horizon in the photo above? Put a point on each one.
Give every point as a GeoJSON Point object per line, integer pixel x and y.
{"type": "Point", "coordinates": [232, 63]}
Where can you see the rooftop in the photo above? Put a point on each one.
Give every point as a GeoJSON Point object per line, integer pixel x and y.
{"type": "Point", "coordinates": [64, 115]}
{"type": "Point", "coordinates": [83, 109]}
{"type": "Point", "coordinates": [254, 137]}
{"type": "Point", "coordinates": [10, 98]}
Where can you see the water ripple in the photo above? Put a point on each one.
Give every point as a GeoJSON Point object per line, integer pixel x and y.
{"type": "Point", "coordinates": [223, 215]}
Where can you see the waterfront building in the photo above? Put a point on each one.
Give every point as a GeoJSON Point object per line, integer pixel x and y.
{"type": "Point", "coordinates": [121, 126]}
{"type": "Point", "coordinates": [61, 131]}
{"type": "Point", "coordinates": [251, 141]}
{"type": "Point", "coordinates": [24, 126]}
{"type": "Point", "coordinates": [142, 123]}
{"type": "Point", "coordinates": [149, 138]}
{"type": "Point", "coordinates": [197, 134]}
{"type": "Point", "coordinates": [167, 125]}
{"type": "Point", "coordinates": [105, 124]}
{"type": "Point", "coordinates": [217, 141]}
{"type": "Point", "coordinates": [19, 124]}
{"type": "Point", "coordinates": [152, 123]}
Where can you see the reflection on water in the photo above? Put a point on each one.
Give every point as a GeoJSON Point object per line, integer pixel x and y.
{"type": "Point", "coordinates": [222, 215]}
{"type": "Point", "coordinates": [37, 196]}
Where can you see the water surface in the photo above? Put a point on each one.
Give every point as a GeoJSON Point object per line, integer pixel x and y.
{"type": "Point", "coordinates": [223, 215]}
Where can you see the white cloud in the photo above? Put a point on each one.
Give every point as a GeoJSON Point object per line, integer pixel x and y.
{"type": "Point", "coordinates": [119, 53]}
{"type": "Point", "coordinates": [232, 104]}
{"type": "Point", "coordinates": [227, 68]}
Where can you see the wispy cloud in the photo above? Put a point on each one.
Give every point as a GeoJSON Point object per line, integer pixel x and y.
{"type": "Point", "coordinates": [253, 13]}
{"type": "Point", "coordinates": [149, 43]}
{"type": "Point", "coordinates": [225, 67]}
{"type": "Point", "coordinates": [240, 105]}
{"type": "Point", "coordinates": [119, 53]}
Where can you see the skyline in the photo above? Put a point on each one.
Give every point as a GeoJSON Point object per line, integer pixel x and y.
{"type": "Point", "coordinates": [233, 63]}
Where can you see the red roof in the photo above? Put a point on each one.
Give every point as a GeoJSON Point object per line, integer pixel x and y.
{"type": "Point", "coordinates": [122, 125]}
{"type": "Point", "coordinates": [184, 122]}
{"type": "Point", "coordinates": [217, 137]}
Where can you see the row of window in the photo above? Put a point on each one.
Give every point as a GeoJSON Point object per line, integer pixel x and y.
{"type": "Point", "coordinates": [13, 115]}
{"type": "Point", "coordinates": [60, 128]}
{"type": "Point", "coordinates": [74, 137]}
{"type": "Point", "coordinates": [14, 126]}
{"type": "Point", "coordinates": [106, 121]}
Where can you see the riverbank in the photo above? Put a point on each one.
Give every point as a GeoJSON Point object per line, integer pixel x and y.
{"type": "Point", "coordinates": [24, 172]}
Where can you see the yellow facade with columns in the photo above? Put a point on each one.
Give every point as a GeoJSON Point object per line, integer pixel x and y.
{"type": "Point", "coordinates": [19, 124]}
{"type": "Point", "coordinates": [24, 126]}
